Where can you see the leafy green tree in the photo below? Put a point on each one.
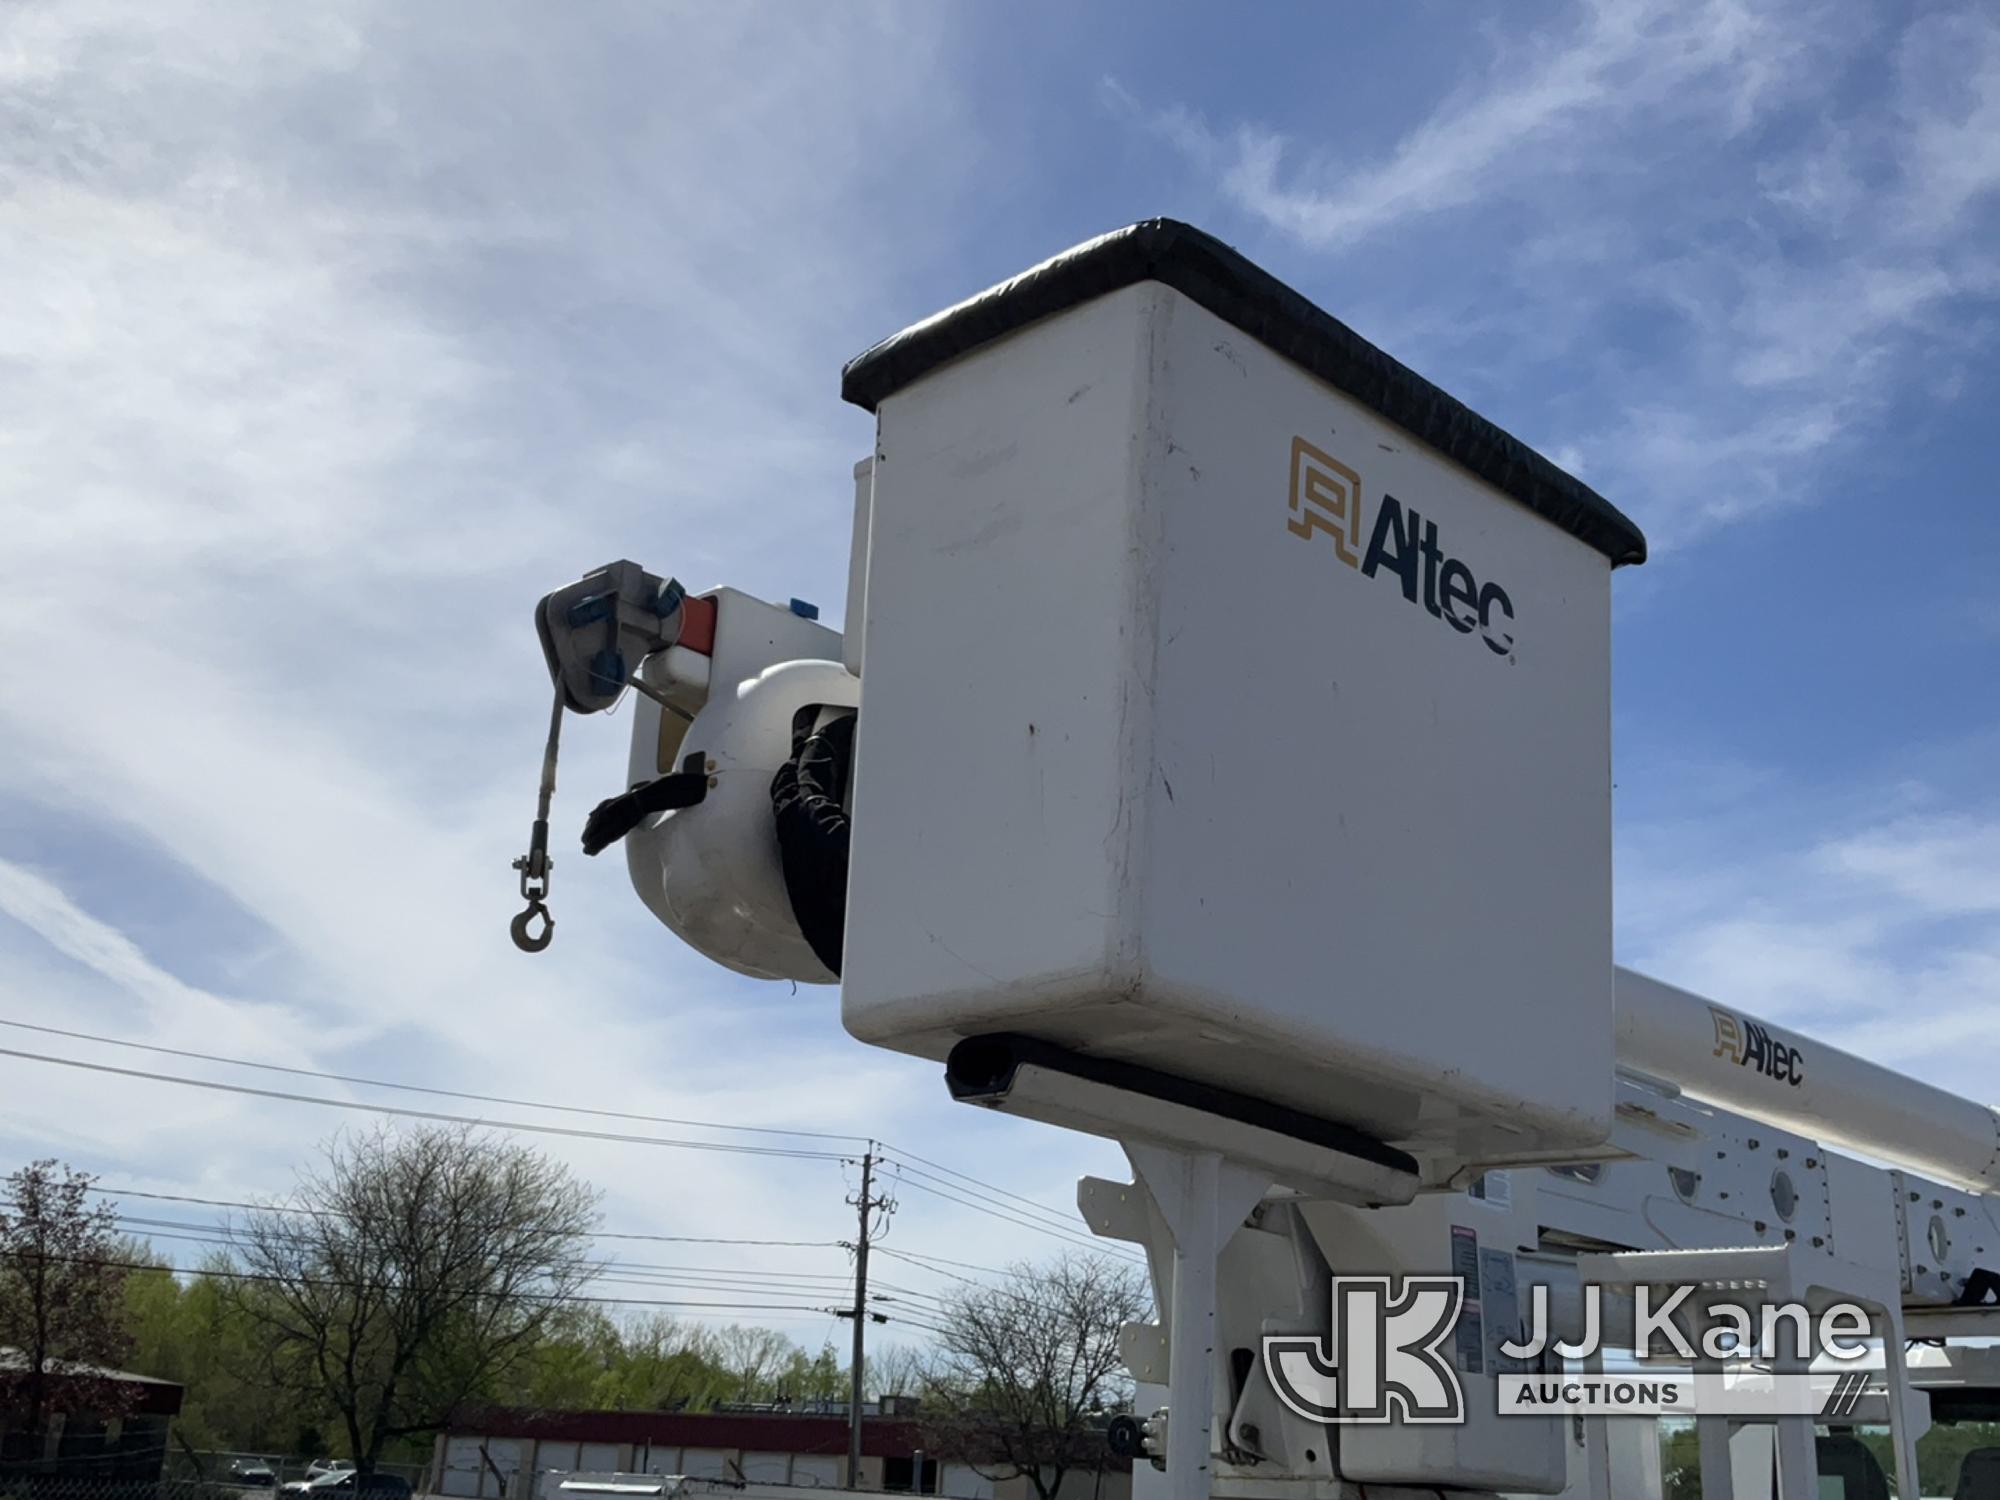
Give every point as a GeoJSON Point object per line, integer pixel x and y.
{"type": "Point", "coordinates": [666, 1364]}
{"type": "Point", "coordinates": [811, 1377]}
{"type": "Point", "coordinates": [191, 1328]}
{"type": "Point", "coordinates": [569, 1366]}
{"type": "Point", "coordinates": [1940, 1452]}
{"type": "Point", "coordinates": [1680, 1462]}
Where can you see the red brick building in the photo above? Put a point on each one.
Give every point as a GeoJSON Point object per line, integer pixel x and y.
{"type": "Point", "coordinates": [511, 1453]}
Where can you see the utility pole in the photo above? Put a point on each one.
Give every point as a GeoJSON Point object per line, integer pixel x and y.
{"type": "Point", "coordinates": [867, 1203]}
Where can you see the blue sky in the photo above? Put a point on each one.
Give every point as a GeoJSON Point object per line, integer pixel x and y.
{"type": "Point", "coordinates": [337, 334]}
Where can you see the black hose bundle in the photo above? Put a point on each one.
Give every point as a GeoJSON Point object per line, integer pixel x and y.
{"type": "Point", "coordinates": [812, 826]}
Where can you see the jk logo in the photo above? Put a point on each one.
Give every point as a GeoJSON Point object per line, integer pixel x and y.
{"type": "Point", "coordinates": [1385, 1364]}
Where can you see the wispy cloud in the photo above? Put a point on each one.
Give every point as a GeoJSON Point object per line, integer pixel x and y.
{"type": "Point", "coordinates": [1539, 111]}
{"type": "Point", "coordinates": [1856, 912]}
{"type": "Point", "coordinates": [1718, 240]}
{"type": "Point", "coordinates": [171, 1003]}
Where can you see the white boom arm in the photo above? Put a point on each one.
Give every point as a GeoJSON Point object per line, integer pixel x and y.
{"type": "Point", "coordinates": [1769, 1073]}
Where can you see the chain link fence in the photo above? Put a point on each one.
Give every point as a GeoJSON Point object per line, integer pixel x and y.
{"type": "Point", "coordinates": [56, 1485]}
{"type": "Point", "coordinates": [220, 1479]}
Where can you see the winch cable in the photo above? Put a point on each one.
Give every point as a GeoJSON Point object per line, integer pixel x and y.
{"type": "Point", "coordinates": [534, 865]}
{"type": "Point", "coordinates": [812, 827]}
{"type": "Point", "coordinates": [640, 614]}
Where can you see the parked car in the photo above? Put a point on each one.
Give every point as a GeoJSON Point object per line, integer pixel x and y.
{"type": "Point", "coordinates": [339, 1484]}
{"type": "Point", "coordinates": [252, 1473]}
{"type": "Point", "coordinates": [321, 1466]}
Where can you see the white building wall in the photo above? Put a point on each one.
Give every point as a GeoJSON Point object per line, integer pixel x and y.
{"type": "Point", "coordinates": [459, 1474]}
{"type": "Point", "coordinates": [963, 1482]}
{"type": "Point", "coordinates": [705, 1463]}
{"type": "Point", "coordinates": [766, 1468]}
{"type": "Point", "coordinates": [821, 1470]}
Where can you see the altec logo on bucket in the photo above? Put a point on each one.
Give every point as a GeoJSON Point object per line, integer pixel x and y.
{"type": "Point", "coordinates": [1325, 496]}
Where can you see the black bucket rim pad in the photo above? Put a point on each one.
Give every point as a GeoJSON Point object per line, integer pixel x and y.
{"type": "Point", "coordinates": [1248, 297]}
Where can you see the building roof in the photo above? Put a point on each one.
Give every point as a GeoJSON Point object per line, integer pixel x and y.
{"type": "Point", "coordinates": [151, 1396]}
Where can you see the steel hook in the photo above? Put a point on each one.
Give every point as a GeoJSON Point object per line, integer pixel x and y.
{"type": "Point", "coordinates": [527, 940]}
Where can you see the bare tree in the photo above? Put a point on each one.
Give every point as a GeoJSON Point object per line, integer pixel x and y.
{"type": "Point", "coordinates": [751, 1358]}
{"type": "Point", "coordinates": [900, 1370]}
{"type": "Point", "coordinates": [411, 1273]}
{"type": "Point", "coordinates": [1026, 1365]}
{"type": "Point", "coordinates": [61, 1297]}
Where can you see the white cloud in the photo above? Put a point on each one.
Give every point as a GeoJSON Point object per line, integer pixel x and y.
{"type": "Point", "coordinates": [1947, 867]}
{"type": "Point", "coordinates": [336, 335]}
{"type": "Point", "coordinates": [1717, 242]}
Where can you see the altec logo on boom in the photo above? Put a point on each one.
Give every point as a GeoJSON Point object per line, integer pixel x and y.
{"type": "Point", "coordinates": [1325, 496]}
{"type": "Point", "coordinates": [1749, 1045]}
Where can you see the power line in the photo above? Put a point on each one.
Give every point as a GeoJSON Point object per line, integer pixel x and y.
{"type": "Point", "coordinates": [937, 1271]}
{"type": "Point", "coordinates": [908, 1291]}
{"type": "Point", "coordinates": [423, 1114]}
{"type": "Point", "coordinates": [941, 1260]}
{"type": "Point", "coordinates": [907, 1160]}
{"type": "Point", "coordinates": [598, 1234]}
{"type": "Point", "coordinates": [910, 1156]}
{"type": "Point", "coordinates": [694, 1278]}
{"type": "Point", "coordinates": [707, 1278]}
{"type": "Point", "coordinates": [698, 1239]}
{"type": "Point", "coordinates": [719, 1277]}
{"type": "Point", "coordinates": [228, 1233]}
{"type": "Point", "coordinates": [919, 1323]}
{"type": "Point", "coordinates": [694, 1284]}
{"type": "Point", "coordinates": [416, 1088]}
{"type": "Point", "coordinates": [699, 1281]}
{"type": "Point", "coordinates": [1058, 1220]}
{"type": "Point", "coordinates": [979, 1203]}
{"type": "Point", "coordinates": [924, 1260]}
{"type": "Point", "coordinates": [353, 1286]}
{"type": "Point", "coordinates": [1025, 1223]}
{"type": "Point", "coordinates": [947, 1304]}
